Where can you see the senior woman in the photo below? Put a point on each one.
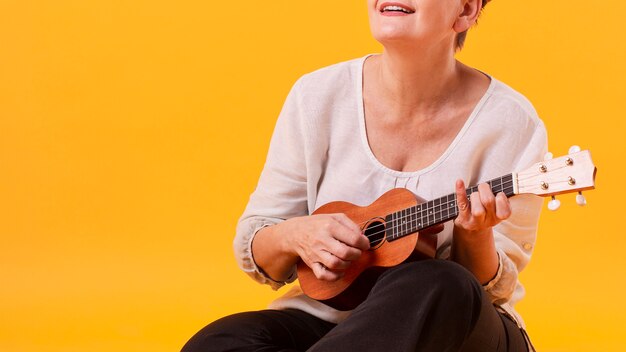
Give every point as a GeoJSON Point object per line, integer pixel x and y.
{"type": "Point", "coordinates": [412, 117]}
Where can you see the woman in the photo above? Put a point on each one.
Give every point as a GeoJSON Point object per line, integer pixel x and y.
{"type": "Point", "coordinates": [412, 117]}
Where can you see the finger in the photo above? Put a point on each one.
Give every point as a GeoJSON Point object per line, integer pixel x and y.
{"type": "Point", "coordinates": [347, 222]}
{"type": "Point", "coordinates": [355, 241]}
{"type": "Point", "coordinates": [461, 198]}
{"type": "Point", "coordinates": [333, 262]}
{"type": "Point", "coordinates": [503, 207]}
{"type": "Point", "coordinates": [352, 236]}
{"type": "Point", "coordinates": [477, 209]}
{"type": "Point", "coordinates": [488, 201]}
{"type": "Point", "coordinates": [323, 273]}
{"type": "Point", "coordinates": [343, 251]}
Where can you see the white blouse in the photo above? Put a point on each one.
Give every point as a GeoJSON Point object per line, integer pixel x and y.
{"type": "Point", "coordinates": [319, 153]}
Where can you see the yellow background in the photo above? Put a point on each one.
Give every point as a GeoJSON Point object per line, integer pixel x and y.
{"type": "Point", "coordinates": [132, 133]}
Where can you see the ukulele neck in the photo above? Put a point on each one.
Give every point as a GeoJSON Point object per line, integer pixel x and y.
{"type": "Point", "coordinates": [413, 219]}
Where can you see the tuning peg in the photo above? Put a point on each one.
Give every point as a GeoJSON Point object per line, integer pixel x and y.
{"type": "Point", "coordinates": [580, 199]}
{"type": "Point", "coordinates": [548, 156]}
{"type": "Point", "coordinates": [554, 204]}
{"type": "Point", "coordinates": [573, 149]}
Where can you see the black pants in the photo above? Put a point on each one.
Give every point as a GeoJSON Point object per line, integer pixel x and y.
{"type": "Point", "coordinates": [431, 305]}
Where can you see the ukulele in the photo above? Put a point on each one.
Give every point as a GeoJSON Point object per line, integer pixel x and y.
{"type": "Point", "coordinates": [401, 226]}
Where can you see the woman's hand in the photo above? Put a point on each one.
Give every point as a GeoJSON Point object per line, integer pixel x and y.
{"type": "Point", "coordinates": [327, 243]}
{"type": "Point", "coordinates": [481, 213]}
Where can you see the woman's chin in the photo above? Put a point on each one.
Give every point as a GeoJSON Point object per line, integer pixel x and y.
{"type": "Point", "coordinates": [401, 39]}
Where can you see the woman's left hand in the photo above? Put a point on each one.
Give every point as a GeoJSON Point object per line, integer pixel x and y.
{"type": "Point", "coordinates": [481, 213]}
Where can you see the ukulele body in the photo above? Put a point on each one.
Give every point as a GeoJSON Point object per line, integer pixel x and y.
{"type": "Point", "coordinates": [352, 289]}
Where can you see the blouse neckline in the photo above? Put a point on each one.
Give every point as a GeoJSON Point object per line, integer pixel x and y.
{"type": "Point", "coordinates": [442, 157]}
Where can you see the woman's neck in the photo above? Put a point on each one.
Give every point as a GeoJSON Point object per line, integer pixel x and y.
{"type": "Point", "coordinates": [417, 82]}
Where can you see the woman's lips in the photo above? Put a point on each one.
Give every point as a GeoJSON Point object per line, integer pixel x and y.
{"type": "Point", "coordinates": [394, 13]}
{"type": "Point", "coordinates": [395, 9]}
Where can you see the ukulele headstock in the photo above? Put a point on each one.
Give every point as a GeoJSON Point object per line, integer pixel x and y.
{"type": "Point", "coordinates": [574, 172]}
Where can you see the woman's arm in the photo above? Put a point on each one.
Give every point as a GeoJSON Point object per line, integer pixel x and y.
{"type": "Point", "coordinates": [510, 242]}
{"type": "Point", "coordinates": [275, 229]}
{"type": "Point", "coordinates": [473, 244]}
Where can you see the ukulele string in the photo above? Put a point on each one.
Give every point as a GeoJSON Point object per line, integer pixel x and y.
{"type": "Point", "coordinates": [447, 203]}
{"type": "Point", "coordinates": [520, 177]}
{"type": "Point", "coordinates": [405, 223]}
{"type": "Point", "coordinates": [366, 221]}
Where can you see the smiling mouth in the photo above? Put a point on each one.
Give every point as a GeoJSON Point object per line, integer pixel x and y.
{"type": "Point", "coordinates": [396, 8]}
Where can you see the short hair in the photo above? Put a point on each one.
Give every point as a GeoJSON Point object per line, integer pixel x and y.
{"type": "Point", "coordinates": [460, 38]}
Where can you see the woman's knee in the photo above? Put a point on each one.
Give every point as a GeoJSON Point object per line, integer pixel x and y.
{"type": "Point", "coordinates": [241, 331]}
{"type": "Point", "coordinates": [266, 330]}
{"type": "Point", "coordinates": [443, 278]}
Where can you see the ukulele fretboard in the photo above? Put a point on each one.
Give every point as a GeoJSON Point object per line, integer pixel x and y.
{"type": "Point", "coordinates": [437, 211]}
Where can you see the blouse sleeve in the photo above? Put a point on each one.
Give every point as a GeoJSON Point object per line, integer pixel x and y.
{"type": "Point", "coordinates": [515, 237]}
{"type": "Point", "coordinates": [281, 192]}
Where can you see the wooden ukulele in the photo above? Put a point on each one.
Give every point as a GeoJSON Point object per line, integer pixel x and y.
{"type": "Point", "coordinates": [402, 227]}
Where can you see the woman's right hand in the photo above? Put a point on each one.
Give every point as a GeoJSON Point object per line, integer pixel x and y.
{"type": "Point", "coordinates": [327, 243]}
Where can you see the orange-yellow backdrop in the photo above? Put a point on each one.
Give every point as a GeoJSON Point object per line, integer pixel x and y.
{"type": "Point", "coordinates": [132, 133]}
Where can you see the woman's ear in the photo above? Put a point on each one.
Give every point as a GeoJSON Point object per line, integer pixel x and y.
{"type": "Point", "coordinates": [468, 15]}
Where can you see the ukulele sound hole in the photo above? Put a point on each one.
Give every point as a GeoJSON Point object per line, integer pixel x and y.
{"type": "Point", "coordinates": [375, 232]}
